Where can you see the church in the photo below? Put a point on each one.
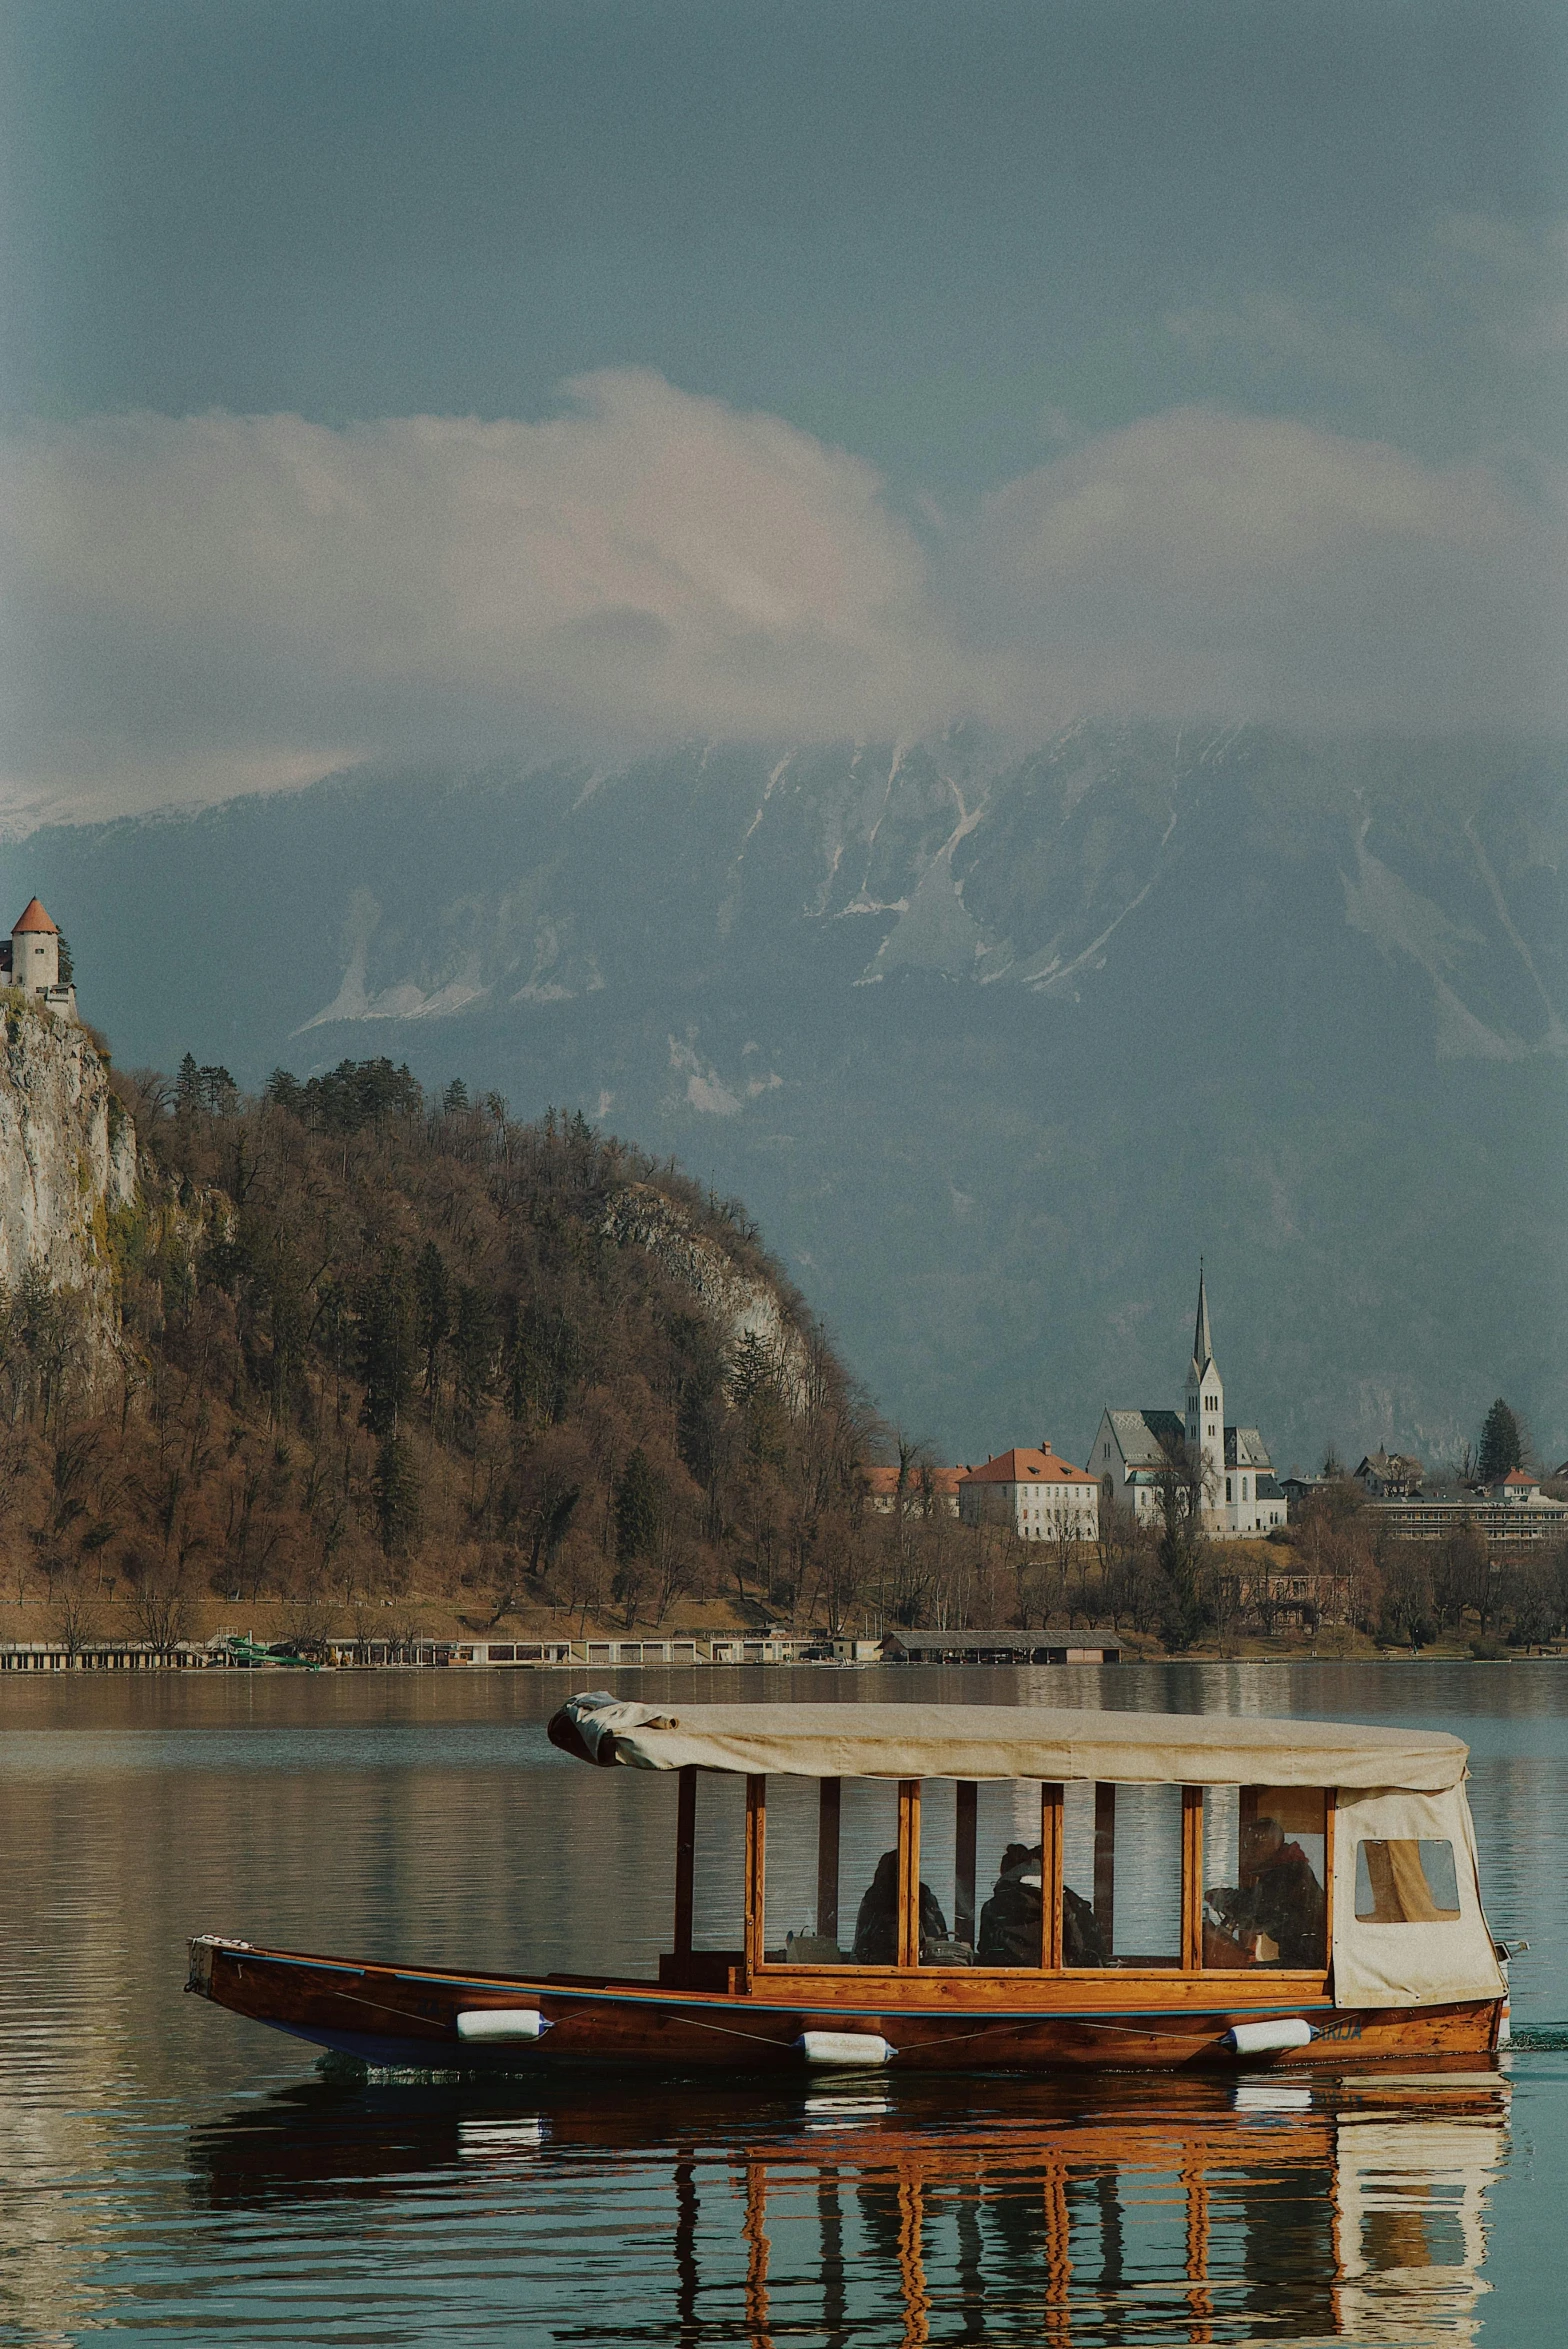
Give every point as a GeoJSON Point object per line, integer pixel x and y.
{"type": "Point", "coordinates": [1131, 1449]}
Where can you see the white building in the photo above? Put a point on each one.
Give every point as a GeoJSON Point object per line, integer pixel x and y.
{"type": "Point", "coordinates": [1037, 1495]}
{"type": "Point", "coordinates": [1132, 1449]}
{"type": "Point", "coordinates": [30, 960]}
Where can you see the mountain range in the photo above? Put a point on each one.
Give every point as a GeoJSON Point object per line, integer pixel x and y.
{"type": "Point", "coordinates": [994, 1044]}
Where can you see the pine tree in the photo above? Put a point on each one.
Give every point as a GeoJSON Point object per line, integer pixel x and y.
{"type": "Point", "coordinates": [1500, 1444]}
{"type": "Point", "coordinates": [386, 1345]}
{"type": "Point", "coordinates": [473, 1350]}
{"type": "Point", "coordinates": [637, 1498]}
{"type": "Point", "coordinates": [435, 1316]}
{"type": "Point", "coordinates": [396, 1489]}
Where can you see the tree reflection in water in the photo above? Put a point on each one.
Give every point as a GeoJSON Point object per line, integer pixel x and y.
{"type": "Point", "coordinates": [1129, 2210]}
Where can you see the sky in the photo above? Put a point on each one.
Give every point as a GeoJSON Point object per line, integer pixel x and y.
{"type": "Point", "coordinates": [443, 379]}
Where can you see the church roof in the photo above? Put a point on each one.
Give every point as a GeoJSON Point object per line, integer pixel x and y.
{"type": "Point", "coordinates": [1202, 1342]}
{"type": "Point", "coordinates": [34, 918]}
{"type": "Point", "coordinates": [1147, 1437]}
{"type": "Point", "coordinates": [1245, 1448]}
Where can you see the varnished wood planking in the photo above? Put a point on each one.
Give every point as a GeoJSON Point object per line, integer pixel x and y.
{"type": "Point", "coordinates": [636, 2023]}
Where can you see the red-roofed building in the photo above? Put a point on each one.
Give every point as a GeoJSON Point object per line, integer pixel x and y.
{"type": "Point", "coordinates": [1040, 1496]}
{"type": "Point", "coordinates": [926, 1490]}
{"type": "Point", "coordinates": [31, 961]}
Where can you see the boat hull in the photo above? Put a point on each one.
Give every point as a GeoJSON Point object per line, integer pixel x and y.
{"type": "Point", "coordinates": [408, 2018]}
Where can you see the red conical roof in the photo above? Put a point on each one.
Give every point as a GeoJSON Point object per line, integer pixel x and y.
{"type": "Point", "coordinates": [34, 918]}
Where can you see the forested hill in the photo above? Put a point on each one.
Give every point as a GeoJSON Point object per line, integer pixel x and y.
{"type": "Point", "coordinates": [375, 1344]}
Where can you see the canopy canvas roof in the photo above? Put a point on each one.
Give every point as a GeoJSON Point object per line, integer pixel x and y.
{"type": "Point", "coordinates": [1049, 1743]}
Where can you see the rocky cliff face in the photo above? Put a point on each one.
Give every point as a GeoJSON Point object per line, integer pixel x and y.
{"type": "Point", "coordinates": [67, 1158]}
{"type": "Point", "coordinates": [740, 1304]}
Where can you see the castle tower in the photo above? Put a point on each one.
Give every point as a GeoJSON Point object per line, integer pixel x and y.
{"type": "Point", "coordinates": [35, 951]}
{"type": "Point", "coordinates": [1206, 1404]}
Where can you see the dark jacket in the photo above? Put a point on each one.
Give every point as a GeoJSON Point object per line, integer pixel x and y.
{"type": "Point", "coordinates": [1010, 1919]}
{"type": "Point", "coordinates": [876, 1925]}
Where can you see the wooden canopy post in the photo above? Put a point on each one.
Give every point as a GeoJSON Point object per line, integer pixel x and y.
{"type": "Point", "coordinates": [685, 1858]}
{"type": "Point", "coordinates": [756, 1838]}
{"type": "Point", "coordinates": [909, 1872]}
{"type": "Point", "coordinates": [829, 1807]}
{"type": "Point", "coordinates": [1105, 1865]}
{"type": "Point", "coordinates": [966, 1812]}
{"type": "Point", "coordinates": [1191, 1878]}
{"type": "Point", "coordinates": [1051, 1878]}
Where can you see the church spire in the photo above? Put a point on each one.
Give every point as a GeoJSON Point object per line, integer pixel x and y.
{"type": "Point", "coordinates": [1202, 1342]}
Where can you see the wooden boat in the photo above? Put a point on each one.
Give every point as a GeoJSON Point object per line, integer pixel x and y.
{"type": "Point", "coordinates": [1164, 1890]}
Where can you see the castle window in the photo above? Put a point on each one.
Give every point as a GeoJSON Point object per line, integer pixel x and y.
{"type": "Point", "coordinates": [1227, 1488]}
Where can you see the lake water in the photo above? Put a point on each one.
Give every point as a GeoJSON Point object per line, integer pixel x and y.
{"type": "Point", "coordinates": [169, 2170]}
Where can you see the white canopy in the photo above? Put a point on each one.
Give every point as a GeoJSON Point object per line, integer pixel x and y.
{"type": "Point", "coordinates": [1007, 1741]}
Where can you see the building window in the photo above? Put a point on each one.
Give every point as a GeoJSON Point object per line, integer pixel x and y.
{"type": "Point", "coordinates": [1227, 1488]}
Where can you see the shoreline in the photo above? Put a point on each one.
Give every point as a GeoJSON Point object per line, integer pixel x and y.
{"type": "Point", "coordinates": [118, 1660]}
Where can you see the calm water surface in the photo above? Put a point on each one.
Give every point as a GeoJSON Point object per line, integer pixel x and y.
{"type": "Point", "coordinates": [168, 2169]}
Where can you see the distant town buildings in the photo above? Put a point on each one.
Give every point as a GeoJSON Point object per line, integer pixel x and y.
{"type": "Point", "coordinates": [30, 960]}
{"type": "Point", "coordinates": [1389, 1476]}
{"type": "Point", "coordinates": [1133, 1450]}
{"type": "Point", "coordinates": [1511, 1509]}
{"type": "Point", "coordinates": [1040, 1496]}
{"type": "Point", "coordinates": [926, 1490]}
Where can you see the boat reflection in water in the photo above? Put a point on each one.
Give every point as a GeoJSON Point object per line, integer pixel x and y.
{"type": "Point", "coordinates": [1126, 2210]}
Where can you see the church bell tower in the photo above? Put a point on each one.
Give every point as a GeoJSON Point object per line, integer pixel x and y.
{"type": "Point", "coordinates": [1206, 1406]}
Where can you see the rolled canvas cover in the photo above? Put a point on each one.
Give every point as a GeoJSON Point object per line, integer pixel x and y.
{"type": "Point", "coordinates": [1005, 1741]}
{"type": "Point", "coordinates": [1432, 1957]}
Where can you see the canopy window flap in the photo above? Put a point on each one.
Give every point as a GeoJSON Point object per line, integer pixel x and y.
{"type": "Point", "coordinates": [1005, 1741]}
{"type": "Point", "coordinates": [1411, 1949]}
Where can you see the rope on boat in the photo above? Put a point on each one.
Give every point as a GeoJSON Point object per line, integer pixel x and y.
{"type": "Point", "coordinates": [762, 2039]}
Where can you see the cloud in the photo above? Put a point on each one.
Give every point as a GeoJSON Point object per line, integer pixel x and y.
{"type": "Point", "coordinates": [195, 606]}
{"type": "Point", "coordinates": [1265, 567]}
{"type": "Point", "coordinates": [646, 564]}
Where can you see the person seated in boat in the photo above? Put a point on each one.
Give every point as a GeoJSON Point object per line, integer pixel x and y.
{"type": "Point", "coordinates": [876, 1925]}
{"type": "Point", "coordinates": [1278, 1912]}
{"type": "Point", "coordinates": [1010, 1919]}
